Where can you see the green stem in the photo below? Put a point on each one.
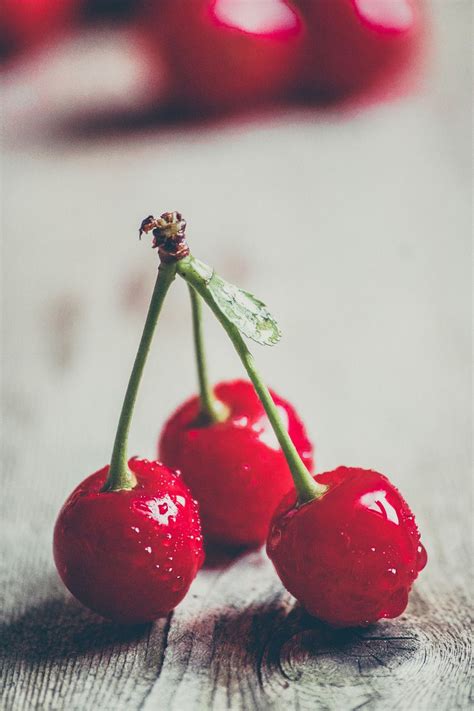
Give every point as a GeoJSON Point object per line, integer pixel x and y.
{"type": "Point", "coordinates": [307, 488]}
{"type": "Point", "coordinates": [120, 477]}
{"type": "Point", "coordinates": [212, 410]}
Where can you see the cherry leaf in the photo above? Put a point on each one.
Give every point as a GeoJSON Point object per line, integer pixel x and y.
{"type": "Point", "coordinates": [245, 311]}
{"type": "Point", "coordinates": [240, 308]}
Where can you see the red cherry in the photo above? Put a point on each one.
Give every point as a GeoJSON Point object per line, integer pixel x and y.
{"type": "Point", "coordinates": [129, 555]}
{"type": "Point", "coordinates": [236, 468]}
{"type": "Point", "coordinates": [354, 45]}
{"type": "Point", "coordinates": [351, 556]}
{"type": "Point", "coordinates": [226, 53]}
{"type": "Point", "coordinates": [27, 23]}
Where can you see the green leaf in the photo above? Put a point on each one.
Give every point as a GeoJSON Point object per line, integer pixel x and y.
{"type": "Point", "coordinates": [244, 310]}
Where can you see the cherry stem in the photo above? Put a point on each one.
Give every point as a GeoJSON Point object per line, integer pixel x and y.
{"type": "Point", "coordinates": [307, 488]}
{"type": "Point", "coordinates": [120, 477]}
{"type": "Point", "coordinates": [212, 410]}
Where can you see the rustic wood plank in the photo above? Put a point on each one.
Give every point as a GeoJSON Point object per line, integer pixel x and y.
{"type": "Point", "coordinates": [259, 650]}
{"type": "Point", "coordinates": [238, 641]}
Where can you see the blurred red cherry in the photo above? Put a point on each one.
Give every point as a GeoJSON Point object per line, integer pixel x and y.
{"type": "Point", "coordinates": [356, 45]}
{"type": "Point", "coordinates": [26, 24]}
{"type": "Point", "coordinates": [226, 54]}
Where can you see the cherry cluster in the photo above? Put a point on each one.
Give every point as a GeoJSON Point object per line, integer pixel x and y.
{"type": "Point", "coordinates": [220, 55]}
{"type": "Point", "coordinates": [237, 460]}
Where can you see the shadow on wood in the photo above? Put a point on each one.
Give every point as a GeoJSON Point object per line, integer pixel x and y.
{"type": "Point", "coordinates": [286, 642]}
{"type": "Point", "coordinates": [68, 653]}
{"type": "Point", "coordinates": [221, 557]}
{"type": "Point", "coordinates": [61, 628]}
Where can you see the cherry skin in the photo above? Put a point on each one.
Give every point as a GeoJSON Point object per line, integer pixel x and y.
{"type": "Point", "coordinates": [358, 45]}
{"type": "Point", "coordinates": [28, 23]}
{"type": "Point", "coordinates": [351, 556]}
{"type": "Point", "coordinates": [129, 555]}
{"type": "Point", "coordinates": [235, 469]}
{"type": "Point", "coordinates": [225, 54]}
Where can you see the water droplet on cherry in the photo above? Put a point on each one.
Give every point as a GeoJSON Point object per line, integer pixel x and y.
{"type": "Point", "coordinates": [177, 584]}
{"type": "Point", "coordinates": [421, 557]}
{"type": "Point", "coordinates": [396, 603]}
{"type": "Point", "coordinates": [346, 538]}
{"type": "Point", "coordinates": [167, 539]}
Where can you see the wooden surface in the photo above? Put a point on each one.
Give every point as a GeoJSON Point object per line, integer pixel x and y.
{"type": "Point", "coordinates": [376, 352]}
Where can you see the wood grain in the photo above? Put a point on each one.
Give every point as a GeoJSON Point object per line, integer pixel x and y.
{"type": "Point", "coordinates": [238, 641]}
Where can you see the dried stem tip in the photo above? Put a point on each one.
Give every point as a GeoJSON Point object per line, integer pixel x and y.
{"type": "Point", "coordinates": [168, 235]}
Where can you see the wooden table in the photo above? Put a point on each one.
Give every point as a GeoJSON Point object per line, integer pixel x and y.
{"type": "Point", "coordinates": [374, 305]}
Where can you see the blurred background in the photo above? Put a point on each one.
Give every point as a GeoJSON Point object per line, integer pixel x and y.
{"type": "Point", "coordinates": [320, 151]}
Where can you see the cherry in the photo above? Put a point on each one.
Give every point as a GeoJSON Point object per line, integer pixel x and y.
{"type": "Point", "coordinates": [226, 53]}
{"type": "Point", "coordinates": [235, 468]}
{"type": "Point", "coordinates": [127, 542]}
{"type": "Point", "coordinates": [344, 543]}
{"type": "Point", "coordinates": [351, 555]}
{"type": "Point", "coordinates": [129, 555]}
{"type": "Point", "coordinates": [354, 45]}
{"type": "Point", "coordinates": [27, 23]}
